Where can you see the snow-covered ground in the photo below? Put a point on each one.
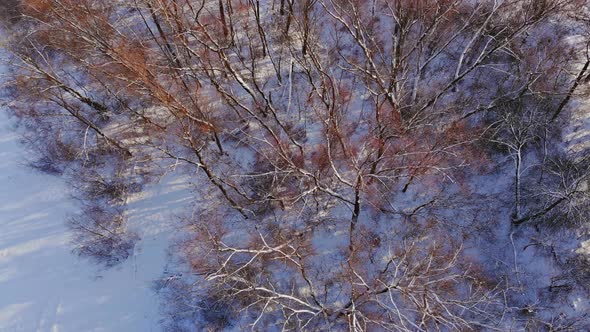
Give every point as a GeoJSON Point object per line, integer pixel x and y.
{"type": "Point", "coordinates": [577, 134]}
{"type": "Point", "coordinates": [43, 286]}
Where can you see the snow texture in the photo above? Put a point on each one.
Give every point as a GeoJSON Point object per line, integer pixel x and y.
{"type": "Point", "coordinates": [43, 286]}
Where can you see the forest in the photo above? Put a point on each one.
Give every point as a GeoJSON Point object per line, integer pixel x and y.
{"type": "Point", "coordinates": [354, 165]}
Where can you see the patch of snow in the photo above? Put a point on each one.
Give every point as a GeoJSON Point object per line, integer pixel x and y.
{"type": "Point", "coordinates": [43, 286]}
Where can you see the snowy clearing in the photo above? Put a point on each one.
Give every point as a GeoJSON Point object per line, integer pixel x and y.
{"type": "Point", "coordinates": [43, 286]}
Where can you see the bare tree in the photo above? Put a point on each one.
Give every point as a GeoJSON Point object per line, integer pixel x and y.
{"type": "Point", "coordinates": [326, 129]}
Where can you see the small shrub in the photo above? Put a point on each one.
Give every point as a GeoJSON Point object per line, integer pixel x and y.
{"type": "Point", "coordinates": [101, 235]}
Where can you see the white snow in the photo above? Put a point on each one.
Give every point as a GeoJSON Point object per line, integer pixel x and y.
{"type": "Point", "coordinates": [43, 285]}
